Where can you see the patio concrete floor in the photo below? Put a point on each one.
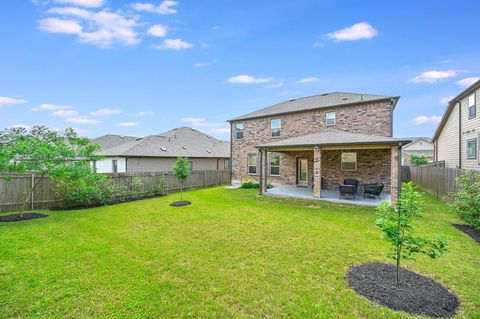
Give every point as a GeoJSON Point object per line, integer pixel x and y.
{"type": "Point", "coordinates": [326, 195]}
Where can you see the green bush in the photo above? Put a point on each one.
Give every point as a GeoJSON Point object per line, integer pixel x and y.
{"type": "Point", "coordinates": [418, 159]}
{"type": "Point", "coordinates": [92, 190]}
{"type": "Point", "coordinates": [254, 184]}
{"type": "Point", "coordinates": [158, 189]}
{"type": "Point", "coordinates": [466, 202]}
{"type": "Point", "coordinates": [138, 188]}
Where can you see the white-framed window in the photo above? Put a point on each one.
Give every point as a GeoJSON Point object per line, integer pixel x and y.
{"type": "Point", "coordinates": [330, 118]}
{"type": "Point", "coordinates": [252, 163]}
{"type": "Point", "coordinates": [276, 127]}
{"type": "Point", "coordinates": [349, 161]}
{"type": "Point", "coordinates": [114, 166]}
{"type": "Point", "coordinates": [226, 164]}
{"type": "Point", "coordinates": [472, 107]}
{"type": "Point", "coordinates": [239, 128]}
{"type": "Point", "coordinates": [472, 148]}
{"type": "Point", "coordinates": [274, 164]}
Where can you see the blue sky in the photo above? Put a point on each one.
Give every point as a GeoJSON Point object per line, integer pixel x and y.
{"type": "Point", "coordinates": [139, 68]}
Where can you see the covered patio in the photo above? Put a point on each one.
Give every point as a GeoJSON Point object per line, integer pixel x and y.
{"type": "Point", "coordinates": [328, 195]}
{"type": "Point", "coordinates": [319, 165]}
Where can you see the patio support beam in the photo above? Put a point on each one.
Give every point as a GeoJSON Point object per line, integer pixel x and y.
{"type": "Point", "coordinates": [394, 172]}
{"type": "Point", "coordinates": [317, 172]}
{"type": "Point", "coordinates": [263, 170]}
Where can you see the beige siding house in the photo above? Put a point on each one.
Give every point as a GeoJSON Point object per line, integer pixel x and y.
{"type": "Point", "coordinates": [418, 146]}
{"type": "Point", "coordinates": [317, 142]}
{"type": "Point", "coordinates": [457, 139]}
{"type": "Point", "coordinates": [158, 152]}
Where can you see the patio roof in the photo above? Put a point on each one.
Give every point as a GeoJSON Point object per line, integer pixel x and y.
{"type": "Point", "coordinates": [332, 137]}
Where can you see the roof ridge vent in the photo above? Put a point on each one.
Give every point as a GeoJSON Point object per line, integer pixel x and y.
{"type": "Point", "coordinates": [292, 100]}
{"type": "Point", "coordinates": [209, 151]}
{"type": "Point", "coordinates": [184, 147]}
{"type": "Point", "coordinates": [163, 149]}
{"type": "Point", "coordinates": [324, 94]}
{"type": "Point", "coordinates": [344, 98]}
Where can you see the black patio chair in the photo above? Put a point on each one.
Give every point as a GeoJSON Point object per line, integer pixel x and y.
{"type": "Point", "coordinates": [347, 190]}
{"type": "Point", "coordinates": [374, 189]}
{"type": "Point", "coordinates": [351, 181]}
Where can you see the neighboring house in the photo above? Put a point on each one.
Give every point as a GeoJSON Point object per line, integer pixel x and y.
{"type": "Point", "coordinates": [457, 137]}
{"type": "Point", "coordinates": [418, 146]}
{"type": "Point", "coordinates": [319, 141]}
{"type": "Point", "coordinates": [158, 152]}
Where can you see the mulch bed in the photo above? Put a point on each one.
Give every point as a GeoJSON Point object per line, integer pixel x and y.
{"type": "Point", "coordinates": [17, 217]}
{"type": "Point", "coordinates": [416, 294]}
{"type": "Point", "coordinates": [114, 202]}
{"type": "Point", "coordinates": [181, 203]}
{"type": "Point", "coordinates": [470, 231]}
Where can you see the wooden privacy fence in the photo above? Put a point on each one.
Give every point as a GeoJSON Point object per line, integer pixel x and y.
{"type": "Point", "coordinates": [438, 181]}
{"type": "Point", "coordinates": [15, 189]}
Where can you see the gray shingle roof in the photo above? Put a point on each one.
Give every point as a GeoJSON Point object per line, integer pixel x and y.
{"type": "Point", "coordinates": [334, 137]}
{"type": "Point", "coordinates": [183, 141]}
{"type": "Point", "coordinates": [315, 102]}
{"type": "Point", "coordinates": [109, 141]}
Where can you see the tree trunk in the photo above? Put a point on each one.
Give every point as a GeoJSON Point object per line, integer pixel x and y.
{"type": "Point", "coordinates": [181, 191]}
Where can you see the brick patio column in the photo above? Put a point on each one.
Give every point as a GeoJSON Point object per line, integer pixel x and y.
{"type": "Point", "coordinates": [394, 174]}
{"type": "Point", "coordinates": [317, 171]}
{"type": "Point", "coordinates": [263, 170]}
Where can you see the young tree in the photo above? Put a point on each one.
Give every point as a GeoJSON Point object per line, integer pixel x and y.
{"type": "Point", "coordinates": [396, 225]}
{"type": "Point", "coordinates": [466, 202]}
{"type": "Point", "coordinates": [181, 171]}
{"type": "Point", "coordinates": [418, 159]}
{"type": "Point", "coordinates": [58, 155]}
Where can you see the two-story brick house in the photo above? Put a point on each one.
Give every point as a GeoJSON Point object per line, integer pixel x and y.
{"type": "Point", "coordinates": [457, 138]}
{"type": "Point", "coordinates": [319, 141]}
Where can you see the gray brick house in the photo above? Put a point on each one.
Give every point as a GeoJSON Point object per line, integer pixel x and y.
{"type": "Point", "coordinates": [318, 141]}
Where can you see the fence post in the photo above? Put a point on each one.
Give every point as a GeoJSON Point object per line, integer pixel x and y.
{"type": "Point", "coordinates": [32, 193]}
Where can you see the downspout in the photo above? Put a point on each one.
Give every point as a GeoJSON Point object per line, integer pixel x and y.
{"type": "Point", "coordinates": [231, 155]}
{"type": "Point", "coordinates": [460, 135]}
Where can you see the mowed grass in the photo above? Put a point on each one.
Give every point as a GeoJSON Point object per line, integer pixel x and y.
{"type": "Point", "coordinates": [230, 254]}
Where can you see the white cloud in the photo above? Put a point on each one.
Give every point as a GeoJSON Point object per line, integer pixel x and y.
{"type": "Point", "coordinates": [205, 64]}
{"type": "Point", "coordinates": [165, 7]}
{"type": "Point", "coordinates": [173, 44]}
{"type": "Point", "coordinates": [5, 100]}
{"type": "Point", "coordinates": [318, 45]}
{"type": "Point", "coordinates": [193, 120]}
{"type": "Point", "coordinates": [220, 130]}
{"type": "Point", "coordinates": [468, 81]}
{"type": "Point", "coordinates": [102, 28]}
{"type": "Point", "coordinates": [50, 107]}
{"type": "Point", "coordinates": [444, 100]}
{"type": "Point", "coordinates": [128, 124]}
{"type": "Point", "coordinates": [308, 80]}
{"type": "Point", "coordinates": [82, 120]}
{"type": "Point", "coordinates": [274, 85]}
{"type": "Point", "coordinates": [65, 113]}
{"type": "Point", "coordinates": [158, 30]}
{"type": "Point", "coordinates": [55, 25]}
{"type": "Point", "coordinates": [423, 119]}
{"type": "Point", "coordinates": [106, 112]}
{"type": "Point", "coordinates": [83, 3]}
{"type": "Point", "coordinates": [358, 31]}
{"type": "Point", "coordinates": [247, 79]}
{"type": "Point", "coordinates": [433, 76]}
{"type": "Point", "coordinates": [141, 113]}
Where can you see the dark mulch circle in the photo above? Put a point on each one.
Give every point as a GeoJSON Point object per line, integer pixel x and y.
{"type": "Point", "coordinates": [18, 217]}
{"type": "Point", "coordinates": [470, 231]}
{"type": "Point", "coordinates": [181, 203]}
{"type": "Point", "coordinates": [416, 294]}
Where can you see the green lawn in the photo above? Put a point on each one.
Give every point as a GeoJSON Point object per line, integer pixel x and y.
{"type": "Point", "coordinates": [230, 254]}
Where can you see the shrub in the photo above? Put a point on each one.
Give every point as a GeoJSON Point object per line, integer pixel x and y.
{"type": "Point", "coordinates": [418, 159]}
{"type": "Point", "coordinates": [159, 189]}
{"type": "Point", "coordinates": [466, 202]}
{"type": "Point", "coordinates": [138, 188]}
{"type": "Point", "coordinates": [254, 184]}
{"type": "Point", "coordinates": [91, 190]}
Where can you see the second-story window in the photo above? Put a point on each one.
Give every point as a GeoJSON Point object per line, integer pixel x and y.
{"type": "Point", "coordinates": [472, 107]}
{"type": "Point", "coordinates": [330, 118]}
{"type": "Point", "coordinates": [239, 128]}
{"type": "Point", "coordinates": [276, 127]}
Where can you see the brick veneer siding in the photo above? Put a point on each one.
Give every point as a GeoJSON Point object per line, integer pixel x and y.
{"type": "Point", "coordinates": [367, 118]}
{"type": "Point", "coordinates": [317, 171]}
{"type": "Point", "coordinates": [394, 169]}
{"type": "Point", "coordinates": [373, 166]}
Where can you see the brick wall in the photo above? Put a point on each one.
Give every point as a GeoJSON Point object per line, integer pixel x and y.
{"type": "Point", "coordinates": [368, 118]}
